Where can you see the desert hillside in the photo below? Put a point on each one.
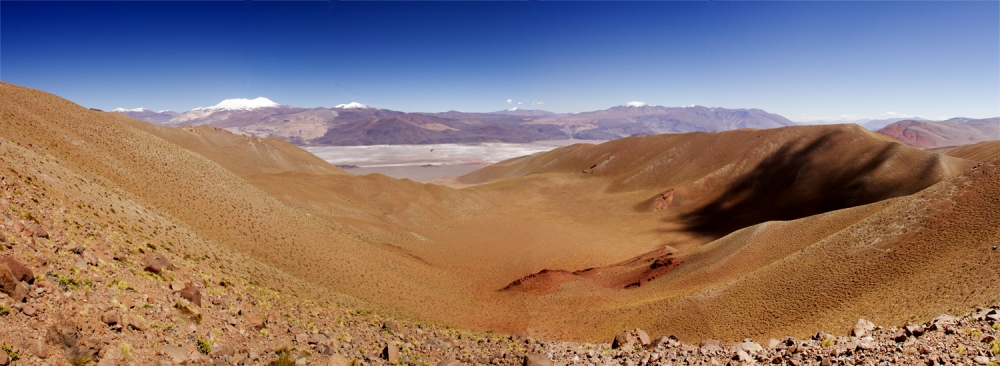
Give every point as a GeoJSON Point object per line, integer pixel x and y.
{"type": "Point", "coordinates": [744, 233]}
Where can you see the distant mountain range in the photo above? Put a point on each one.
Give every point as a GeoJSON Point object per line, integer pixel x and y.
{"type": "Point", "coordinates": [952, 132]}
{"type": "Point", "coordinates": [357, 124]}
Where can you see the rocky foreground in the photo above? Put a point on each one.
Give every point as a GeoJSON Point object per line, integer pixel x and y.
{"type": "Point", "coordinates": [80, 291]}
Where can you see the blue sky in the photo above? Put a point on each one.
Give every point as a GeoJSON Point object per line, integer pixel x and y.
{"type": "Point", "coordinates": [803, 60]}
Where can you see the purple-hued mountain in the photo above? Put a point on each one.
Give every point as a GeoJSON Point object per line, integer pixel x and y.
{"type": "Point", "coordinates": [358, 124]}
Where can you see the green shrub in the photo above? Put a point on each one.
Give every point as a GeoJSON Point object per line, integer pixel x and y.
{"type": "Point", "coordinates": [14, 356]}
{"type": "Point", "coordinates": [204, 346]}
{"type": "Point", "coordinates": [284, 358]}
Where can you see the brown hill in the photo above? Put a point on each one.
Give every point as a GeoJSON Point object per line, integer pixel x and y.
{"type": "Point", "coordinates": [770, 232]}
{"type": "Point", "coordinates": [954, 132]}
{"type": "Point", "coordinates": [981, 151]}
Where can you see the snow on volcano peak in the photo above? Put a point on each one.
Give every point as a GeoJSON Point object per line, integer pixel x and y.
{"type": "Point", "coordinates": [123, 110]}
{"type": "Point", "coordinates": [242, 104]}
{"type": "Point", "coordinates": [635, 104]}
{"type": "Point", "coordinates": [513, 109]}
{"type": "Point", "coordinates": [351, 105]}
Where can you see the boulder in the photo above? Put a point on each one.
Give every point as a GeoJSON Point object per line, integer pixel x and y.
{"type": "Point", "coordinates": [914, 330]}
{"type": "Point", "coordinates": [221, 349]}
{"type": "Point", "coordinates": [537, 359]}
{"type": "Point", "coordinates": [110, 317]}
{"type": "Point", "coordinates": [749, 347]}
{"type": "Point", "coordinates": [37, 230]}
{"type": "Point", "coordinates": [136, 323]}
{"type": "Point", "coordinates": [773, 343]}
{"type": "Point", "coordinates": [942, 321]}
{"type": "Point", "coordinates": [4, 359]}
{"type": "Point", "coordinates": [642, 336]}
{"type": "Point", "coordinates": [449, 362]}
{"type": "Point", "coordinates": [63, 334]}
{"type": "Point", "coordinates": [390, 326]}
{"type": "Point", "coordinates": [7, 280]}
{"type": "Point", "coordinates": [337, 360]}
{"type": "Point", "coordinates": [176, 354]}
{"type": "Point", "coordinates": [191, 293]}
{"type": "Point", "coordinates": [710, 345]}
{"type": "Point", "coordinates": [390, 353]}
{"type": "Point", "coordinates": [862, 328]}
{"type": "Point", "coordinates": [156, 263]}
{"type": "Point", "coordinates": [29, 310]}
{"type": "Point", "coordinates": [20, 271]}
{"type": "Point", "coordinates": [899, 336]}
{"type": "Point", "coordinates": [20, 292]}
{"type": "Point", "coordinates": [624, 340]}
{"type": "Point", "coordinates": [38, 348]}
{"type": "Point", "coordinates": [89, 257]}
{"type": "Point", "coordinates": [742, 356]}
{"type": "Point", "coordinates": [302, 338]}
{"type": "Point", "coordinates": [318, 339]}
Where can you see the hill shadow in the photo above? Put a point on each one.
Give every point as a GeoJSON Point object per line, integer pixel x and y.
{"type": "Point", "coordinates": [776, 188]}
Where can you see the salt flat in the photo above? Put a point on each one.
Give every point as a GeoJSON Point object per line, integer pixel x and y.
{"type": "Point", "coordinates": [426, 163]}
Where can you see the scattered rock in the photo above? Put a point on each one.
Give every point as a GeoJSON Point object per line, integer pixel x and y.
{"type": "Point", "coordinates": [899, 335]}
{"type": "Point", "coordinates": [710, 345]}
{"type": "Point", "coordinates": [749, 347]}
{"type": "Point", "coordinates": [219, 350]}
{"type": "Point", "coordinates": [134, 322]}
{"type": "Point", "coordinates": [191, 293]}
{"type": "Point", "coordinates": [156, 263]}
{"type": "Point", "coordinates": [19, 270]}
{"type": "Point", "coordinates": [642, 336]}
{"type": "Point", "coordinates": [110, 317]}
{"type": "Point", "coordinates": [29, 310]}
{"type": "Point", "coordinates": [337, 360]}
{"type": "Point", "coordinates": [537, 359]}
{"type": "Point", "coordinates": [862, 328]}
{"type": "Point", "coordinates": [391, 353]}
{"type": "Point", "coordinates": [89, 257]}
{"type": "Point", "coordinates": [624, 340]}
{"type": "Point", "coordinates": [942, 321]}
{"type": "Point", "coordinates": [318, 338]}
{"type": "Point", "coordinates": [391, 326]}
{"type": "Point", "coordinates": [742, 356]}
{"type": "Point", "coordinates": [8, 283]}
{"type": "Point", "coordinates": [20, 292]}
{"type": "Point", "coordinates": [914, 330]}
{"type": "Point", "coordinates": [38, 348]}
{"type": "Point", "coordinates": [37, 230]}
{"type": "Point", "coordinates": [176, 354]}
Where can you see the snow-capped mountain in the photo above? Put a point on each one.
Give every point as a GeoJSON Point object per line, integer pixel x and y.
{"type": "Point", "coordinates": [123, 110]}
{"type": "Point", "coordinates": [241, 104]}
{"type": "Point", "coordinates": [351, 105]}
{"type": "Point", "coordinates": [635, 104]}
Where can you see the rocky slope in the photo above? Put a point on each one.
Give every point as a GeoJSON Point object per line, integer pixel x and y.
{"type": "Point", "coordinates": [891, 234]}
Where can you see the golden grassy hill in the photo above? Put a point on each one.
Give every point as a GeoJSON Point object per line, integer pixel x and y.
{"type": "Point", "coordinates": [980, 151]}
{"type": "Point", "coordinates": [748, 243]}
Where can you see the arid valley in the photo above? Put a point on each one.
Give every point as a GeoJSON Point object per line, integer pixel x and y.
{"type": "Point", "coordinates": [784, 233]}
{"type": "Point", "coordinates": [520, 183]}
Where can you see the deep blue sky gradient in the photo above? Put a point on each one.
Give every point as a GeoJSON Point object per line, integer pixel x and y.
{"type": "Point", "coordinates": [804, 60]}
